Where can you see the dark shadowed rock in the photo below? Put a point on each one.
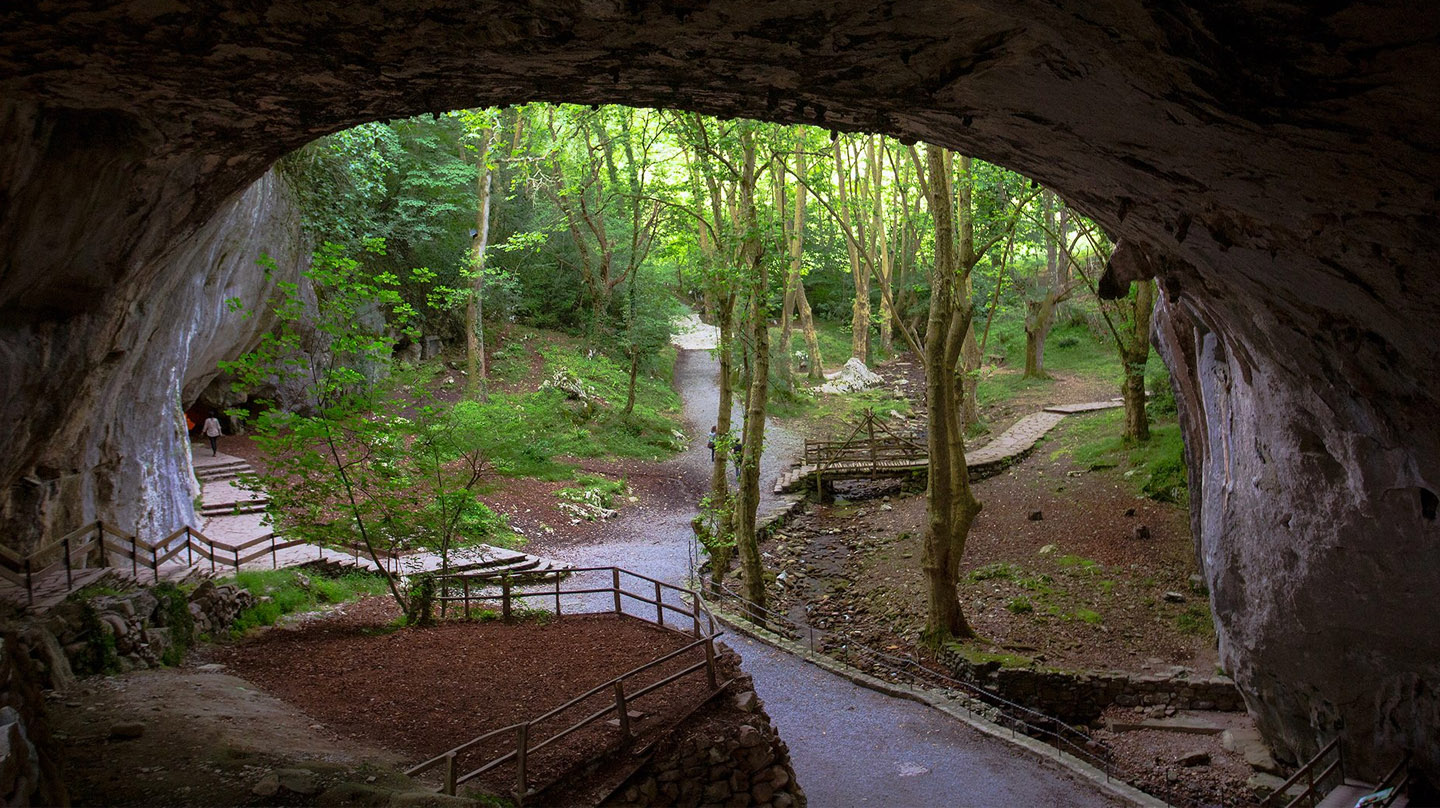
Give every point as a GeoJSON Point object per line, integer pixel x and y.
{"type": "Point", "coordinates": [1272, 163]}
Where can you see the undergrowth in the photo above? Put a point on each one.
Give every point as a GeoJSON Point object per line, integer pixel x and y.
{"type": "Point", "coordinates": [282, 592]}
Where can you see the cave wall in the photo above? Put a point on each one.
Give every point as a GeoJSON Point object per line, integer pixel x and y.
{"type": "Point", "coordinates": [1278, 158]}
{"type": "Point", "coordinates": [96, 380]}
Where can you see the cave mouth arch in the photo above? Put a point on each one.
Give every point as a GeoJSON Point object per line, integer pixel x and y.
{"type": "Point", "coordinates": [1276, 162]}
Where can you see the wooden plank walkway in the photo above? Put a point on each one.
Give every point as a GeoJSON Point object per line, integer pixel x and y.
{"type": "Point", "coordinates": [1010, 446]}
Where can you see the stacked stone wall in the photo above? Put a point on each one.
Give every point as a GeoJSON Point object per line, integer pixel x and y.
{"type": "Point", "coordinates": [727, 754]}
{"type": "Point", "coordinates": [1080, 697]}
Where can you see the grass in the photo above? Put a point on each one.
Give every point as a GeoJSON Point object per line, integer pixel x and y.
{"type": "Point", "coordinates": [1155, 468]}
{"type": "Point", "coordinates": [1196, 620]}
{"type": "Point", "coordinates": [285, 591]}
{"type": "Point", "coordinates": [526, 431]}
{"type": "Point", "coordinates": [1021, 605]}
{"type": "Point", "coordinates": [1002, 571]}
{"type": "Point", "coordinates": [1078, 564]}
{"type": "Point", "coordinates": [978, 656]}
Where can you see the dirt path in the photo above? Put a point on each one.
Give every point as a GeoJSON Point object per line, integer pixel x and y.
{"type": "Point", "coordinates": [205, 738]}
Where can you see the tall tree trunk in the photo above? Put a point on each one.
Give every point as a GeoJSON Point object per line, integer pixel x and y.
{"type": "Point", "coordinates": [812, 338]}
{"type": "Point", "coordinates": [1040, 304]}
{"type": "Point", "coordinates": [970, 348]}
{"type": "Point", "coordinates": [723, 550]}
{"type": "Point", "coordinates": [1134, 356]}
{"type": "Point", "coordinates": [860, 317]}
{"type": "Point", "coordinates": [747, 498]}
{"type": "Point", "coordinates": [475, 307]}
{"type": "Point", "coordinates": [951, 508]}
{"type": "Point", "coordinates": [882, 250]}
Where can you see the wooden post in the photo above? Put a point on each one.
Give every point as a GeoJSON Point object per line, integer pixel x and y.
{"type": "Point", "coordinates": [274, 560]}
{"type": "Point", "coordinates": [615, 584]}
{"type": "Point", "coordinates": [29, 583]}
{"type": "Point", "coordinates": [557, 593]}
{"type": "Point", "coordinates": [522, 749]}
{"type": "Point", "coordinates": [505, 598]}
{"type": "Point", "coordinates": [466, 583]}
{"type": "Point", "coordinates": [870, 426]}
{"type": "Point", "coordinates": [710, 663]}
{"type": "Point", "coordinates": [100, 540]}
{"type": "Point", "coordinates": [659, 605]}
{"type": "Point", "coordinates": [695, 615]}
{"type": "Point", "coordinates": [65, 546]}
{"type": "Point", "coordinates": [450, 773]}
{"type": "Point", "coordinates": [622, 710]}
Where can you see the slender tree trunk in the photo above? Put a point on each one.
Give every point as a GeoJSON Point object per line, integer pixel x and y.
{"type": "Point", "coordinates": [753, 442]}
{"type": "Point", "coordinates": [1040, 313]}
{"type": "Point", "coordinates": [970, 348]}
{"type": "Point", "coordinates": [723, 550]}
{"type": "Point", "coordinates": [475, 307]}
{"type": "Point", "coordinates": [812, 338]}
{"type": "Point", "coordinates": [951, 508]}
{"type": "Point", "coordinates": [1135, 355]}
{"type": "Point", "coordinates": [860, 317]}
{"type": "Point", "coordinates": [882, 250]}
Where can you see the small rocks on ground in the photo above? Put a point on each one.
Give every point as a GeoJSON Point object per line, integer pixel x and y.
{"type": "Point", "coordinates": [1192, 759]}
{"type": "Point", "coordinates": [1036, 516]}
{"type": "Point", "coordinates": [126, 730]}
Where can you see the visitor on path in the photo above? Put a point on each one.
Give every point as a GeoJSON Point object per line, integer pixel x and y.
{"type": "Point", "coordinates": [735, 452]}
{"type": "Point", "coordinates": [711, 444]}
{"type": "Point", "coordinates": [213, 431]}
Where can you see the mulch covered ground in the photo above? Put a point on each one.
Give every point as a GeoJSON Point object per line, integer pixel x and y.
{"type": "Point", "coordinates": [424, 691]}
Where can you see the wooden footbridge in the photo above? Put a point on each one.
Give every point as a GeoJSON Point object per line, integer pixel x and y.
{"type": "Point", "coordinates": [873, 451]}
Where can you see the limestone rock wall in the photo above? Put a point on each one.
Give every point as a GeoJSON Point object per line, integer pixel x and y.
{"type": "Point", "coordinates": [93, 399]}
{"type": "Point", "coordinates": [1279, 157]}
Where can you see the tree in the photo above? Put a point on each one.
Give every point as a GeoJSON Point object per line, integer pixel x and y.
{"type": "Point", "coordinates": [950, 505]}
{"type": "Point", "coordinates": [1049, 286]}
{"type": "Point", "coordinates": [480, 130]}
{"type": "Point", "coordinates": [795, 301]}
{"type": "Point", "coordinates": [361, 467]}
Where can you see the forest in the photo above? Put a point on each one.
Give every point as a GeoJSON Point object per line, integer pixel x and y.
{"type": "Point", "coordinates": [590, 230]}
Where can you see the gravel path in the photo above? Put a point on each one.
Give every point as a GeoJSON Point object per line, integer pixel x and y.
{"type": "Point", "coordinates": [850, 746]}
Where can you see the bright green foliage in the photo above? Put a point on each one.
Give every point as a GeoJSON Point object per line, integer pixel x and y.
{"type": "Point", "coordinates": [1156, 468]}
{"type": "Point", "coordinates": [282, 592]}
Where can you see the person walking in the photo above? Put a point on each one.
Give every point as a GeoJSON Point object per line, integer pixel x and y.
{"type": "Point", "coordinates": [213, 431]}
{"type": "Point", "coordinates": [711, 444]}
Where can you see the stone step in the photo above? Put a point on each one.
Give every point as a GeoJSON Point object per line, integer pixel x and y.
{"type": "Point", "coordinates": [234, 508]}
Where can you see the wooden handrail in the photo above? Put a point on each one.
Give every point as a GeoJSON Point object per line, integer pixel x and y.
{"type": "Point", "coordinates": [615, 684]}
{"type": "Point", "coordinates": [1304, 771]}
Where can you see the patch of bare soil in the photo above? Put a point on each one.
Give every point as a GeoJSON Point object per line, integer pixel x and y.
{"type": "Point", "coordinates": [1074, 588]}
{"type": "Point", "coordinates": [205, 738]}
{"type": "Point", "coordinates": [422, 691]}
{"type": "Point", "coordinates": [1196, 767]}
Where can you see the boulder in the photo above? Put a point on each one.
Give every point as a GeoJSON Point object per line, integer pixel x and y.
{"type": "Point", "coordinates": [852, 378]}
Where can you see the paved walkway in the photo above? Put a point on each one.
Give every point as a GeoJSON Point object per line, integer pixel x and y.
{"type": "Point", "coordinates": [850, 746]}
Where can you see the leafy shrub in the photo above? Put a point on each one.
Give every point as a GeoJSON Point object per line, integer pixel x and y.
{"type": "Point", "coordinates": [1020, 606]}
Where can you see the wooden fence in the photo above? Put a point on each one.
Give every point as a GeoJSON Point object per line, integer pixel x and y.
{"type": "Point", "coordinates": [471, 590]}
{"type": "Point", "coordinates": [100, 544]}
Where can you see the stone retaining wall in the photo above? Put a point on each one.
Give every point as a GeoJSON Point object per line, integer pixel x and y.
{"type": "Point", "coordinates": [1079, 698]}
{"type": "Point", "coordinates": [726, 754]}
{"type": "Point", "coordinates": [140, 629]}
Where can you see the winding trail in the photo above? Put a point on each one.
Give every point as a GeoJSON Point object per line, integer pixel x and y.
{"type": "Point", "coordinates": [850, 745]}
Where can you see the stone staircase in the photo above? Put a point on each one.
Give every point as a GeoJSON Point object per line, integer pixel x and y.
{"type": "Point", "coordinates": [223, 496]}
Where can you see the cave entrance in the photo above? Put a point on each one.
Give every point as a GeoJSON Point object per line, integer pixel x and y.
{"type": "Point", "coordinates": [1278, 157]}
